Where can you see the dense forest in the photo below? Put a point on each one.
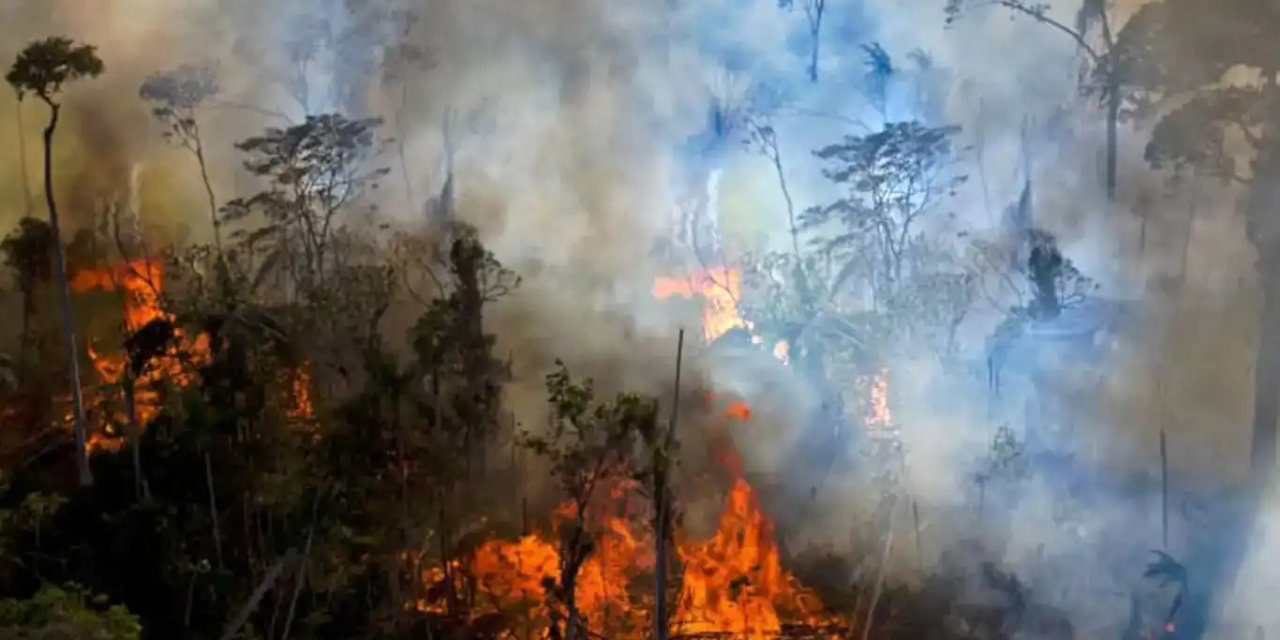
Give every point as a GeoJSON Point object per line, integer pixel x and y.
{"type": "Point", "coordinates": [404, 319]}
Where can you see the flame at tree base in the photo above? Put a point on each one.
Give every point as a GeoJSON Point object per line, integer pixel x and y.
{"type": "Point", "coordinates": [732, 583]}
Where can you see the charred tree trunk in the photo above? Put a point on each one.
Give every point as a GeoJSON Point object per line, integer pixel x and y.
{"type": "Point", "coordinates": [80, 427]}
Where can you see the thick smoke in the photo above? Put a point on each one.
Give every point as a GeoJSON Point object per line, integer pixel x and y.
{"type": "Point", "coordinates": [562, 129]}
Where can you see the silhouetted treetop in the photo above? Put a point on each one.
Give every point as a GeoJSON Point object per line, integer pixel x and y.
{"type": "Point", "coordinates": [45, 65]}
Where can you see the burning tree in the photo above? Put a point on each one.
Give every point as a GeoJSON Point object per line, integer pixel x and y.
{"type": "Point", "coordinates": [590, 444]}
{"type": "Point", "coordinates": [867, 272]}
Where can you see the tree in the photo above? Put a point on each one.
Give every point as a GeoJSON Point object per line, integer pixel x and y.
{"type": "Point", "coordinates": [316, 171]}
{"type": "Point", "coordinates": [1104, 79]}
{"type": "Point", "coordinates": [176, 97]}
{"type": "Point", "coordinates": [27, 250]}
{"type": "Point", "coordinates": [891, 179]}
{"type": "Point", "coordinates": [814, 12]}
{"type": "Point", "coordinates": [1201, 112]}
{"type": "Point", "coordinates": [590, 444]}
{"type": "Point", "coordinates": [41, 69]}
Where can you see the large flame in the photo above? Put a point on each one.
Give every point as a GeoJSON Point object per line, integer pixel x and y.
{"type": "Point", "coordinates": [141, 282]}
{"type": "Point", "coordinates": [720, 289]}
{"type": "Point", "coordinates": [880, 416]}
{"type": "Point", "coordinates": [732, 582]}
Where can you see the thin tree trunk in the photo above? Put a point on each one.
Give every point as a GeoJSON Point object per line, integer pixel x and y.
{"type": "Point", "coordinates": [242, 616]}
{"type": "Point", "coordinates": [878, 589]}
{"type": "Point", "coordinates": [213, 507]}
{"type": "Point", "coordinates": [1113, 123]}
{"type": "Point", "coordinates": [660, 500]}
{"type": "Point", "coordinates": [208, 191]}
{"type": "Point", "coordinates": [68, 322]}
{"type": "Point", "coordinates": [1266, 407]}
{"type": "Point", "coordinates": [1193, 207]}
{"type": "Point", "coordinates": [135, 441]}
{"type": "Point", "coordinates": [302, 570]}
{"type": "Point", "coordinates": [813, 55]}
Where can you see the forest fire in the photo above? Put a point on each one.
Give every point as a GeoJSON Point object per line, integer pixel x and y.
{"type": "Point", "coordinates": [141, 281]}
{"type": "Point", "coordinates": [731, 582]}
{"type": "Point", "coordinates": [720, 289]}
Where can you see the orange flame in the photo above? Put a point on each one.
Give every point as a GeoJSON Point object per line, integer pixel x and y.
{"type": "Point", "coordinates": [880, 416]}
{"type": "Point", "coordinates": [732, 582]}
{"type": "Point", "coordinates": [142, 281]}
{"type": "Point", "coordinates": [720, 288]}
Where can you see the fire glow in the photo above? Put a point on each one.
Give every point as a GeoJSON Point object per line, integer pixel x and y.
{"type": "Point", "coordinates": [732, 582]}
{"type": "Point", "coordinates": [720, 289]}
{"type": "Point", "coordinates": [141, 281]}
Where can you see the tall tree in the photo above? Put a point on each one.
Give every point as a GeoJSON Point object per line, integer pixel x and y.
{"type": "Point", "coordinates": [1094, 32]}
{"type": "Point", "coordinates": [176, 96]}
{"type": "Point", "coordinates": [1177, 53]}
{"type": "Point", "coordinates": [316, 171]}
{"type": "Point", "coordinates": [41, 69]}
{"type": "Point", "coordinates": [814, 12]}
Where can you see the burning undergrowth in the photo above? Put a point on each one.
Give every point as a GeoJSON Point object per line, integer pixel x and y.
{"type": "Point", "coordinates": [731, 583]}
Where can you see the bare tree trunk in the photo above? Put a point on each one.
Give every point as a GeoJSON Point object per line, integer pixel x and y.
{"type": "Point", "coordinates": [80, 427]}
{"type": "Point", "coordinates": [1193, 207]}
{"type": "Point", "coordinates": [1266, 402]}
{"type": "Point", "coordinates": [208, 192]}
{"type": "Point", "coordinates": [213, 507]}
{"type": "Point", "coordinates": [660, 500]}
{"type": "Point", "coordinates": [135, 440]}
{"type": "Point", "coordinates": [1113, 134]}
{"type": "Point", "coordinates": [242, 616]}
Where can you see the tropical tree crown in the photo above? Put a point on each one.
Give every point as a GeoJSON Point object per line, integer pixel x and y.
{"type": "Point", "coordinates": [45, 65]}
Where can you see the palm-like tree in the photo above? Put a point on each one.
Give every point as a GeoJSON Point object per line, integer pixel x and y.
{"type": "Point", "coordinates": [41, 69]}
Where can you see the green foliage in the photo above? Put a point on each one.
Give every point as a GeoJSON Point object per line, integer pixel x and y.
{"type": "Point", "coordinates": [66, 613]}
{"type": "Point", "coordinates": [590, 441]}
{"type": "Point", "coordinates": [891, 179]}
{"type": "Point", "coordinates": [45, 65]}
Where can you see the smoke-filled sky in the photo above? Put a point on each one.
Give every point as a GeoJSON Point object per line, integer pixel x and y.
{"type": "Point", "coordinates": [570, 122]}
